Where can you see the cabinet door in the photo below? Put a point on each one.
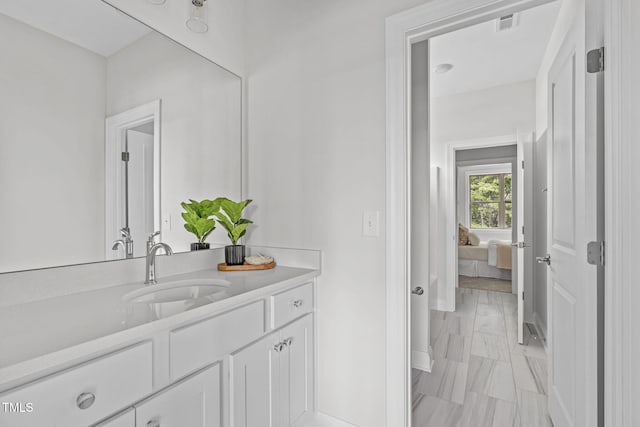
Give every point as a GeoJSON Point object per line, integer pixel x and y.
{"type": "Point", "coordinates": [124, 419]}
{"type": "Point", "coordinates": [253, 384]}
{"type": "Point", "coordinates": [296, 371]}
{"type": "Point", "coordinates": [193, 402]}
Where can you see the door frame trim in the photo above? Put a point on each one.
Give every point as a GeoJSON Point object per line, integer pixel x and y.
{"type": "Point", "coordinates": [401, 31]}
{"type": "Point", "coordinates": [621, 250]}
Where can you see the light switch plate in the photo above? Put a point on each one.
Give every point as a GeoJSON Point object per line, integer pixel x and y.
{"type": "Point", "coordinates": [166, 222]}
{"type": "Point", "coordinates": [371, 223]}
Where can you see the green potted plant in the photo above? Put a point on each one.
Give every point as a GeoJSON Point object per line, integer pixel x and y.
{"type": "Point", "coordinates": [198, 220]}
{"type": "Point", "coordinates": [230, 217]}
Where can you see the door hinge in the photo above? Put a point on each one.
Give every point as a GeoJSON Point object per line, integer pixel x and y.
{"type": "Point", "coordinates": [595, 253]}
{"type": "Point", "coordinates": [125, 156]}
{"type": "Point", "coordinates": [595, 60]}
{"type": "Point", "coordinates": [523, 164]}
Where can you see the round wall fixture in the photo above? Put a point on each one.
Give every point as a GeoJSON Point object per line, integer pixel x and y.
{"type": "Point", "coordinates": [442, 68]}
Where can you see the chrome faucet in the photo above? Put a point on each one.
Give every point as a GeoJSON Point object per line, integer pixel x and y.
{"type": "Point", "coordinates": [152, 250]}
{"type": "Point", "coordinates": [126, 243]}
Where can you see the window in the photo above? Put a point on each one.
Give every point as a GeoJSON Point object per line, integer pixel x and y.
{"type": "Point", "coordinates": [490, 200]}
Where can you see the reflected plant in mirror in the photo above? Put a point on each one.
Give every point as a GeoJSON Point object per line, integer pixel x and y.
{"type": "Point", "coordinates": [109, 125]}
{"type": "Point", "coordinates": [198, 217]}
{"type": "Point", "coordinates": [230, 217]}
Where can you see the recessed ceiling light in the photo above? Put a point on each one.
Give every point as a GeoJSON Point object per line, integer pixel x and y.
{"type": "Point", "coordinates": [442, 68]}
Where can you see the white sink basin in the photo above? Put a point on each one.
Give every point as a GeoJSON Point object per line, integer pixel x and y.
{"type": "Point", "coordinates": [167, 299]}
{"type": "Point", "coordinates": [176, 291]}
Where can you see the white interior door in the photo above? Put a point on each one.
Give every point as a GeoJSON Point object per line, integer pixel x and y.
{"type": "Point", "coordinates": [572, 281]}
{"type": "Point", "coordinates": [419, 208]}
{"type": "Point", "coordinates": [520, 243]}
{"type": "Point", "coordinates": [141, 192]}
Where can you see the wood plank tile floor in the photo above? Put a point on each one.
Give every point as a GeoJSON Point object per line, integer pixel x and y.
{"type": "Point", "coordinates": [481, 376]}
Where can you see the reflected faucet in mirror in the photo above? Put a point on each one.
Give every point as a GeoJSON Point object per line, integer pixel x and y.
{"type": "Point", "coordinates": [152, 250]}
{"type": "Point", "coordinates": [126, 243]}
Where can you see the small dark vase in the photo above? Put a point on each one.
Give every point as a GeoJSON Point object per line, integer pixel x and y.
{"type": "Point", "coordinates": [199, 246]}
{"type": "Point", "coordinates": [234, 254]}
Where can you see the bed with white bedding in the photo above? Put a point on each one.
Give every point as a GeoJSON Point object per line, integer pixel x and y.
{"type": "Point", "coordinates": [485, 259]}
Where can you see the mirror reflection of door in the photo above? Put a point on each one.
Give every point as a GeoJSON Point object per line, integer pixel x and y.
{"type": "Point", "coordinates": [138, 182]}
{"type": "Point", "coordinates": [132, 180]}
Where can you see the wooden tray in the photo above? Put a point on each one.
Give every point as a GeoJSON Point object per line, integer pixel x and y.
{"type": "Point", "coordinates": [245, 267]}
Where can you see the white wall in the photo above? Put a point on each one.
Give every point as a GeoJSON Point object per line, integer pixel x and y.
{"type": "Point", "coordinates": [316, 129]}
{"type": "Point", "coordinates": [200, 124]}
{"type": "Point", "coordinates": [223, 43]}
{"type": "Point", "coordinates": [483, 113]}
{"type": "Point", "coordinates": [473, 117]}
{"type": "Point", "coordinates": [51, 173]}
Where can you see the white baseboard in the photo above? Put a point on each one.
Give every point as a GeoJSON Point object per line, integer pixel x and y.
{"type": "Point", "coordinates": [421, 360]}
{"type": "Point", "coordinates": [443, 305]}
{"type": "Point", "coordinates": [542, 330]}
{"type": "Point", "coordinates": [440, 302]}
{"type": "Point", "coordinates": [323, 420]}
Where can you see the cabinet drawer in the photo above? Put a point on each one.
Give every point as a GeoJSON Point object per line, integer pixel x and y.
{"type": "Point", "coordinates": [101, 386]}
{"type": "Point", "coordinates": [124, 419]}
{"type": "Point", "coordinates": [200, 344]}
{"type": "Point", "coordinates": [291, 304]}
{"type": "Point", "coordinates": [193, 402]}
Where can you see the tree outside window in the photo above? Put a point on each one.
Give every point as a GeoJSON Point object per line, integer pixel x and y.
{"type": "Point", "coordinates": [490, 197]}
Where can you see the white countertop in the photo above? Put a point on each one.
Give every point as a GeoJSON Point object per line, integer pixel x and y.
{"type": "Point", "coordinates": [41, 336]}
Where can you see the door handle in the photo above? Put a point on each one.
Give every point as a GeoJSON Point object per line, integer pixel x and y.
{"type": "Point", "coordinates": [546, 259]}
{"type": "Point", "coordinates": [521, 245]}
{"type": "Point", "coordinates": [418, 290]}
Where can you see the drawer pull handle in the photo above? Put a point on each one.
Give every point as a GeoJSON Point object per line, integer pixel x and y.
{"type": "Point", "coordinates": [85, 400]}
{"type": "Point", "coordinates": [298, 303]}
{"type": "Point", "coordinates": [153, 423]}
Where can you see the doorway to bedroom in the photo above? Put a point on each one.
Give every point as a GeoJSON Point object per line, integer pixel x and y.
{"type": "Point", "coordinates": [484, 87]}
{"type": "Point", "coordinates": [486, 195]}
{"type": "Point", "coordinates": [486, 120]}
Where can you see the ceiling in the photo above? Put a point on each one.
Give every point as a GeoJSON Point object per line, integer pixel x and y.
{"type": "Point", "coordinates": [90, 24]}
{"type": "Point", "coordinates": [483, 57]}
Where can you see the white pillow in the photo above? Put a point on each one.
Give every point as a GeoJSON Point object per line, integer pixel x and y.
{"type": "Point", "coordinates": [474, 240]}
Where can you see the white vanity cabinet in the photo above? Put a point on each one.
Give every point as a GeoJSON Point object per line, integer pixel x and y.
{"type": "Point", "coordinates": [200, 344]}
{"type": "Point", "coordinates": [193, 402]}
{"type": "Point", "coordinates": [83, 394]}
{"type": "Point", "coordinates": [123, 419]}
{"type": "Point", "coordinates": [272, 380]}
{"type": "Point", "coordinates": [249, 363]}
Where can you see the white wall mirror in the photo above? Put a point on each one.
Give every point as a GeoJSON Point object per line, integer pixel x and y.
{"type": "Point", "coordinates": [80, 84]}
